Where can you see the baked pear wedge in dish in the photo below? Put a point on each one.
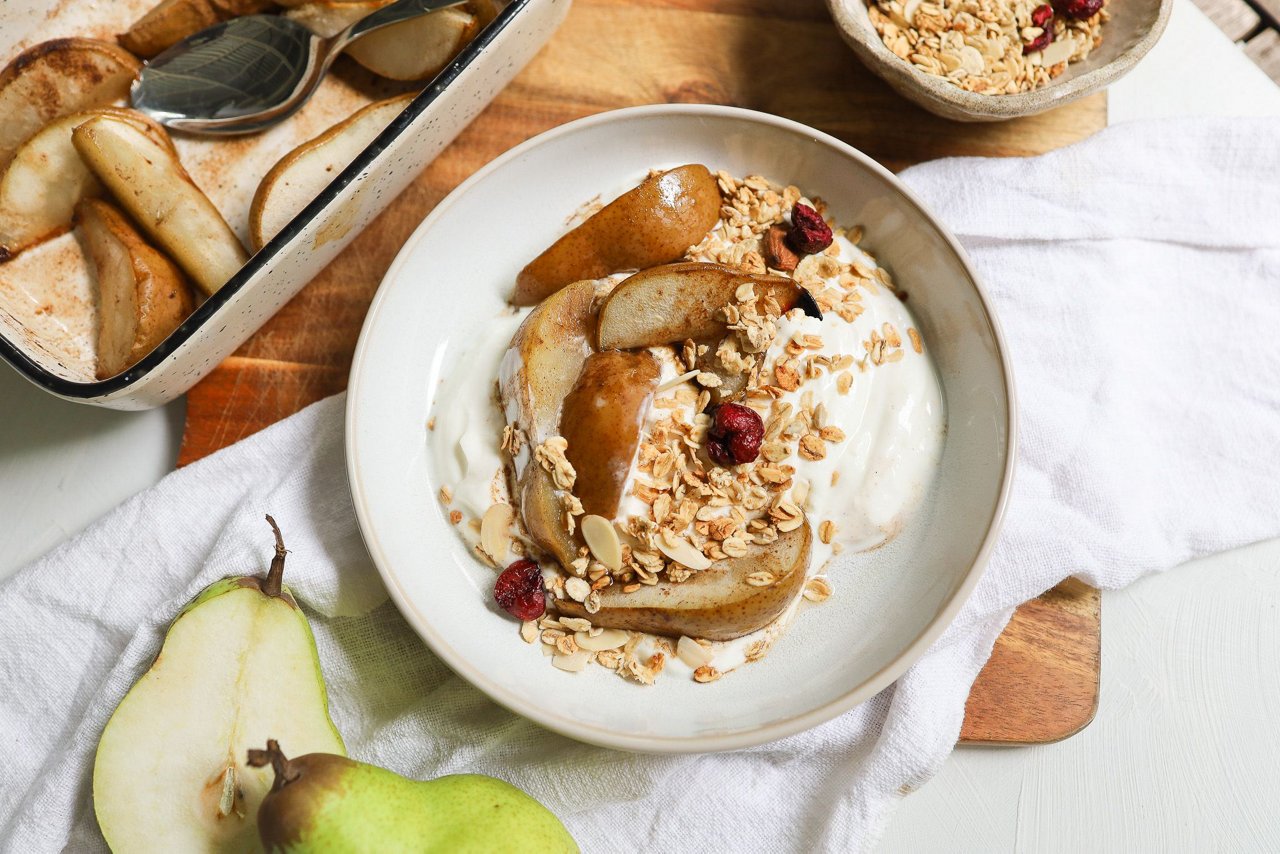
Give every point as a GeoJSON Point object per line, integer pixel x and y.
{"type": "Point", "coordinates": [673, 302]}
{"type": "Point", "coordinates": [46, 177]}
{"type": "Point", "coordinates": [717, 603]}
{"type": "Point", "coordinates": [142, 295]}
{"type": "Point", "coordinates": [56, 78]}
{"type": "Point", "coordinates": [148, 181]}
{"type": "Point", "coordinates": [539, 371]}
{"type": "Point", "coordinates": [297, 179]}
{"type": "Point", "coordinates": [582, 411]}
{"type": "Point", "coordinates": [653, 223]}
{"type": "Point", "coordinates": [173, 20]}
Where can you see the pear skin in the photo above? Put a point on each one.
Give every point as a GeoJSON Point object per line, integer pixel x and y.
{"type": "Point", "coordinates": [674, 302]}
{"type": "Point", "coordinates": [335, 805]}
{"type": "Point", "coordinates": [602, 419]}
{"type": "Point", "coordinates": [653, 223]}
{"type": "Point", "coordinates": [541, 367]}
{"type": "Point", "coordinates": [238, 663]}
{"type": "Point", "coordinates": [716, 603]}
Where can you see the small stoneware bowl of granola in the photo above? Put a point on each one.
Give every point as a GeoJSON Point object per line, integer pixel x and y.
{"type": "Point", "coordinates": [989, 60]}
{"type": "Point", "coordinates": [680, 428]}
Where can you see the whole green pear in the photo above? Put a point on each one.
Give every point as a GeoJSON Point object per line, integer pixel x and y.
{"type": "Point", "coordinates": [322, 802]}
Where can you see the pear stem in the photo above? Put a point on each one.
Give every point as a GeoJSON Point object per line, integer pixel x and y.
{"type": "Point", "coordinates": [271, 587]}
{"type": "Point", "coordinates": [285, 770]}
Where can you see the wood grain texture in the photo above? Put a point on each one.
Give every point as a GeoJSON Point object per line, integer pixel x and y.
{"type": "Point", "coordinates": [781, 58]}
{"type": "Point", "coordinates": [1025, 696]}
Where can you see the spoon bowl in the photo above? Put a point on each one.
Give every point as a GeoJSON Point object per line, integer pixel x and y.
{"type": "Point", "coordinates": [249, 73]}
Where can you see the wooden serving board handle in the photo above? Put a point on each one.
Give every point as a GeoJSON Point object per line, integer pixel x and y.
{"type": "Point", "coordinates": [1041, 683]}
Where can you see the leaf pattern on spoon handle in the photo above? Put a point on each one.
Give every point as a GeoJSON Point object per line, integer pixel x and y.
{"type": "Point", "coordinates": [236, 68]}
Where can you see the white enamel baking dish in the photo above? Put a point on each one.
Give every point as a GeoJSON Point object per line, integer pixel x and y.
{"type": "Point", "coordinates": [276, 273]}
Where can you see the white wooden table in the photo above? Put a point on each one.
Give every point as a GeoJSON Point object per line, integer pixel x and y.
{"type": "Point", "coordinates": [1183, 753]}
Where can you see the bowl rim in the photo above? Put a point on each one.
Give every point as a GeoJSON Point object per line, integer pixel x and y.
{"type": "Point", "coordinates": [258, 261]}
{"type": "Point", "coordinates": [564, 724]}
{"type": "Point", "coordinates": [871, 49]}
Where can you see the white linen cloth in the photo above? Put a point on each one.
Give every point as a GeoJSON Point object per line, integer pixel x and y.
{"type": "Point", "coordinates": [1137, 276]}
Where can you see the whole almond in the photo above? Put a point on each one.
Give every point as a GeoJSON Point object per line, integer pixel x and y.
{"type": "Point", "coordinates": [777, 254]}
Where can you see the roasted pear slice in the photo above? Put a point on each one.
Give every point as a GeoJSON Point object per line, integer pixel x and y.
{"type": "Point", "coordinates": [538, 373]}
{"type": "Point", "coordinates": [653, 223]}
{"type": "Point", "coordinates": [56, 78]}
{"type": "Point", "coordinates": [148, 181]}
{"type": "Point", "coordinates": [299, 176]}
{"type": "Point", "coordinates": [46, 178]}
{"type": "Point", "coordinates": [674, 302]}
{"type": "Point", "coordinates": [602, 420]}
{"type": "Point", "coordinates": [716, 603]}
{"type": "Point", "coordinates": [142, 295]}
{"type": "Point", "coordinates": [173, 20]}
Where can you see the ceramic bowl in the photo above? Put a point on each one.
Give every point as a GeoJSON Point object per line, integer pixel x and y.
{"type": "Point", "coordinates": [1135, 26]}
{"type": "Point", "coordinates": [452, 278]}
{"type": "Point", "coordinates": [48, 336]}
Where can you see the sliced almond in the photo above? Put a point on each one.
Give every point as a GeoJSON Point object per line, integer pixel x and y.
{"type": "Point", "coordinates": [692, 653]}
{"type": "Point", "coordinates": [1058, 51]}
{"type": "Point", "coordinates": [572, 663]}
{"type": "Point", "coordinates": [602, 539]}
{"type": "Point", "coordinates": [675, 381]}
{"type": "Point", "coordinates": [607, 639]}
{"type": "Point", "coordinates": [495, 531]}
{"type": "Point", "coordinates": [682, 551]}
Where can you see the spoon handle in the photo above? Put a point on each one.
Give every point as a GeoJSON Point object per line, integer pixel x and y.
{"type": "Point", "coordinates": [401, 10]}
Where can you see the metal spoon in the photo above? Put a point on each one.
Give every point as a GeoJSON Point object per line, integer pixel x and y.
{"type": "Point", "coordinates": [249, 73]}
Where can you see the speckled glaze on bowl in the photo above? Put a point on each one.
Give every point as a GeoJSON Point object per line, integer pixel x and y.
{"type": "Point", "coordinates": [451, 279]}
{"type": "Point", "coordinates": [273, 275]}
{"type": "Point", "coordinates": [1135, 26]}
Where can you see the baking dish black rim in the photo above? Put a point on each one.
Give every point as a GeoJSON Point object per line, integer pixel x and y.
{"type": "Point", "coordinates": [63, 387]}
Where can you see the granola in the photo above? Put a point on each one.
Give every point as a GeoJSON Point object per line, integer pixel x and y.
{"type": "Point", "coordinates": [991, 47]}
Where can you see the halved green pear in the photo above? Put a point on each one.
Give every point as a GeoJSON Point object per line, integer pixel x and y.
{"type": "Point", "coordinates": [716, 603]}
{"type": "Point", "coordinates": [675, 302]}
{"type": "Point", "coordinates": [653, 223]}
{"type": "Point", "coordinates": [540, 371]}
{"type": "Point", "coordinates": [324, 804]}
{"type": "Point", "coordinates": [602, 419]}
{"type": "Point", "coordinates": [238, 666]}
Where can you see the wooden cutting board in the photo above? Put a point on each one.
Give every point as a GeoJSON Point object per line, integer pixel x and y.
{"type": "Point", "coordinates": [783, 58]}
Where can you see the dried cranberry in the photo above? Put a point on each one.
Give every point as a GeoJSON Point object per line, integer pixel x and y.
{"type": "Point", "coordinates": [518, 590]}
{"type": "Point", "coordinates": [1041, 15]}
{"type": "Point", "coordinates": [1078, 10]}
{"type": "Point", "coordinates": [1040, 42]}
{"type": "Point", "coordinates": [735, 435]}
{"type": "Point", "coordinates": [809, 233]}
